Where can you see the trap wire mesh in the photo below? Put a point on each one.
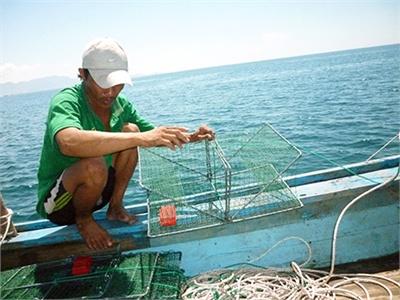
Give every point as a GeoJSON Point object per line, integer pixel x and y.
{"type": "Point", "coordinates": [54, 280]}
{"type": "Point", "coordinates": [139, 276]}
{"type": "Point", "coordinates": [192, 179]}
{"type": "Point", "coordinates": [214, 182]}
{"type": "Point", "coordinates": [257, 162]}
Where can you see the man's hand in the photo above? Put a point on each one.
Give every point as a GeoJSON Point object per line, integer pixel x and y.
{"type": "Point", "coordinates": [204, 132]}
{"type": "Point", "coordinates": [168, 136]}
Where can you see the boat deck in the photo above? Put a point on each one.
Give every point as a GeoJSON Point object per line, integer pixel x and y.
{"type": "Point", "coordinates": [376, 292]}
{"type": "Point", "coordinates": [388, 266]}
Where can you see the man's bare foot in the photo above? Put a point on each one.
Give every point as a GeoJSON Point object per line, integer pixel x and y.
{"type": "Point", "coordinates": [95, 236]}
{"type": "Point", "coordinates": [119, 213]}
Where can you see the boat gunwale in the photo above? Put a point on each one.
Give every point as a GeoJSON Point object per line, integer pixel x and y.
{"type": "Point", "coordinates": [293, 181]}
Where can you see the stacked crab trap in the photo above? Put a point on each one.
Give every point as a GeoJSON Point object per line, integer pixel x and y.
{"type": "Point", "coordinates": [140, 276]}
{"type": "Point", "coordinates": [209, 183]}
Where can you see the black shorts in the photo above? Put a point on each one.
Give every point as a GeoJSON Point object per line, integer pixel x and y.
{"type": "Point", "coordinates": [63, 211]}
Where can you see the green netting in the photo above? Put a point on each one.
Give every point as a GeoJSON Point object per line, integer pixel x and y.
{"type": "Point", "coordinates": [132, 278]}
{"type": "Point", "coordinates": [193, 179]}
{"type": "Point", "coordinates": [13, 281]}
{"type": "Point", "coordinates": [257, 162]}
{"type": "Point", "coordinates": [55, 280]}
{"type": "Point", "coordinates": [168, 278]}
{"type": "Point", "coordinates": [193, 170]}
{"type": "Point", "coordinates": [269, 195]}
{"type": "Point", "coordinates": [210, 183]}
{"type": "Point", "coordinates": [140, 276]}
{"type": "Point", "coordinates": [264, 146]}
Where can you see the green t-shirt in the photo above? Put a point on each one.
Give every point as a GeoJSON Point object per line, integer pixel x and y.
{"type": "Point", "coordinates": [70, 108]}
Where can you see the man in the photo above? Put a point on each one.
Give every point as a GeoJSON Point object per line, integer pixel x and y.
{"type": "Point", "coordinates": [90, 145]}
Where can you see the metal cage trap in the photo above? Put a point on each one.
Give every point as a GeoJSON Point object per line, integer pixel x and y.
{"type": "Point", "coordinates": [209, 183]}
{"type": "Point", "coordinates": [150, 275]}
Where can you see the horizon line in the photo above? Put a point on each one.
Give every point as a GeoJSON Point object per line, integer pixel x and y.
{"type": "Point", "coordinates": [143, 75]}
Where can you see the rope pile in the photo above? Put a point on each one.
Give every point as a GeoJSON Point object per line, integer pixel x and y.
{"type": "Point", "coordinates": [257, 283]}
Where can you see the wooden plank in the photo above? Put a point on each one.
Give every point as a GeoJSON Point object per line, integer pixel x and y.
{"type": "Point", "coordinates": [66, 234]}
{"type": "Point", "coordinates": [27, 256]}
{"type": "Point", "coordinates": [135, 209]}
{"type": "Point", "coordinates": [375, 291]}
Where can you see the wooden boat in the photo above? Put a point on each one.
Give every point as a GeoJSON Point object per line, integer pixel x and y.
{"type": "Point", "coordinates": [369, 229]}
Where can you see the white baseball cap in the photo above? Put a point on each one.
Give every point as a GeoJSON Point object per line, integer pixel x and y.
{"type": "Point", "coordinates": [107, 63]}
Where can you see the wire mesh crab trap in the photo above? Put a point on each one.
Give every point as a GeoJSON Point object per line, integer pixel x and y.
{"type": "Point", "coordinates": [54, 280]}
{"type": "Point", "coordinates": [215, 182]}
{"type": "Point", "coordinates": [149, 275]}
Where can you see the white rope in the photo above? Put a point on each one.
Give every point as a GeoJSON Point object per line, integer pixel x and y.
{"type": "Point", "coordinates": [272, 283]}
{"type": "Point", "coordinates": [8, 217]}
{"type": "Point", "coordinates": [282, 241]}
{"type": "Point", "coordinates": [251, 283]}
{"type": "Point", "coordinates": [384, 146]}
{"type": "Point", "coordinates": [339, 219]}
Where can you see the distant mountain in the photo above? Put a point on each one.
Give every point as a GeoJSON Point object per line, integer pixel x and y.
{"type": "Point", "coordinates": [36, 85]}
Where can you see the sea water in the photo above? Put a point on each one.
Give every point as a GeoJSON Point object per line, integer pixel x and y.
{"type": "Point", "coordinates": [337, 107]}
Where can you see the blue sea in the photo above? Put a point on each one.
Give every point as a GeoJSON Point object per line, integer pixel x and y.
{"type": "Point", "coordinates": [337, 107]}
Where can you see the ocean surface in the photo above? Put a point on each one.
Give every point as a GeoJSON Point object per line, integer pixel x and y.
{"type": "Point", "coordinates": [337, 107]}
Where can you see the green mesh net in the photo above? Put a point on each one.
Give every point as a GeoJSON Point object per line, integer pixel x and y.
{"type": "Point", "coordinates": [55, 280]}
{"type": "Point", "coordinates": [138, 276]}
{"type": "Point", "coordinates": [214, 182]}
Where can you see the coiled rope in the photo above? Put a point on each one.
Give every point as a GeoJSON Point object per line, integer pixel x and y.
{"type": "Point", "coordinates": [7, 216]}
{"type": "Point", "coordinates": [295, 283]}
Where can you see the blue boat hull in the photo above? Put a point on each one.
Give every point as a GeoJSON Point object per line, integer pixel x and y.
{"type": "Point", "coordinates": [369, 229]}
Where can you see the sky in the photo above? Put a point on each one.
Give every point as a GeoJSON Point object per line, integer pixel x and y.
{"type": "Point", "coordinates": [45, 38]}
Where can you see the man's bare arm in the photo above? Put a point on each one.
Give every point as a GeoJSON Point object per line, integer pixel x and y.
{"type": "Point", "coordinates": [87, 143]}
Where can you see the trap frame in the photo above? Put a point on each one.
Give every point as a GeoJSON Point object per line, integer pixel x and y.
{"type": "Point", "coordinates": [215, 182]}
{"type": "Point", "coordinates": [147, 275]}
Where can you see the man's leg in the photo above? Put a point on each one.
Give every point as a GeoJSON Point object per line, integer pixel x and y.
{"type": "Point", "coordinates": [124, 164]}
{"type": "Point", "coordinates": [85, 180]}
